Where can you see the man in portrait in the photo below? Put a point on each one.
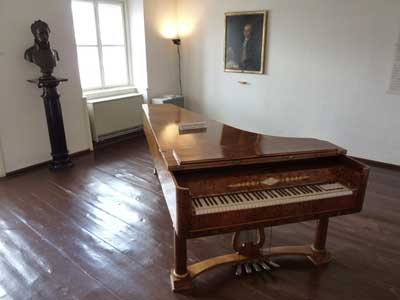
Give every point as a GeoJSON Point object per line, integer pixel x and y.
{"type": "Point", "coordinates": [250, 52]}
{"type": "Point", "coordinates": [244, 42]}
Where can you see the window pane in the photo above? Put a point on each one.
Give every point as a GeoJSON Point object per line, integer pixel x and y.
{"type": "Point", "coordinates": [111, 24]}
{"type": "Point", "coordinates": [84, 23]}
{"type": "Point", "coordinates": [89, 68]}
{"type": "Point", "coordinates": [114, 62]}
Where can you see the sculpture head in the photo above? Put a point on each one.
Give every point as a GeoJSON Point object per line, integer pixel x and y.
{"type": "Point", "coordinates": [41, 32]}
{"type": "Point", "coordinates": [40, 53]}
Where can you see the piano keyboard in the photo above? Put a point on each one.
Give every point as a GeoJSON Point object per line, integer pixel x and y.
{"type": "Point", "coordinates": [269, 197]}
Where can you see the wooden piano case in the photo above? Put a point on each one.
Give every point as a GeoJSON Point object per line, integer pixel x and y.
{"type": "Point", "coordinates": [224, 159]}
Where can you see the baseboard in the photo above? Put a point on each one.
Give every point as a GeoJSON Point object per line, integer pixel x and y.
{"type": "Point", "coordinates": [36, 166]}
{"type": "Point", "coordinates": [378, 164]}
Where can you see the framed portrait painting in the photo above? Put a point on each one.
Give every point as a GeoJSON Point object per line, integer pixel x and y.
{"type": "Point", "coordinates": [245, 39]}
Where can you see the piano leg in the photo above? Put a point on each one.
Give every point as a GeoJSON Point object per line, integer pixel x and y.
{"type": "Point", "coordinates": [320, 255]}
{"type": "Point", "coordinates": [180, 277]}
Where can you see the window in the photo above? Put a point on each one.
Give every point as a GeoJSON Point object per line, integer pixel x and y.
{"type": "Point", "coordinates": [101, 43]}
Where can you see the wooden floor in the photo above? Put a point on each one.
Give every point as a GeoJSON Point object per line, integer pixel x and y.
{"type": "Point", "coordinates": [101, 231]}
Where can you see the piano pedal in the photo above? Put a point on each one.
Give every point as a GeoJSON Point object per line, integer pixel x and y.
{"type": "Point", "coordinates": [248, 269]}
{"type": "Point", "coordinates": [273, 264]}
{"type": "Point", "coordinates": [256, 267]}
{"type": "Point", "coordinates": [239, 270]}
{"type": "Point", "coordinates": [264, 266]}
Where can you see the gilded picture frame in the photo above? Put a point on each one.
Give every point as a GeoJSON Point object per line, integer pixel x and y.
{"type": "Point", "coordinates": [245, 41]}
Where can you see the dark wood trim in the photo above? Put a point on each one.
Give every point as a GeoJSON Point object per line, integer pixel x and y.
{"type": "Point", "coordinates": [35, 166]}
{"type": "Point", "coordinates": [118, 139]}
{"type": "Point", "coordinates": [374, 163]}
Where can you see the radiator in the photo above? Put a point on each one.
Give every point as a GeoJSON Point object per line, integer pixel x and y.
{"type": "Point", "coordinates": [114, 116]}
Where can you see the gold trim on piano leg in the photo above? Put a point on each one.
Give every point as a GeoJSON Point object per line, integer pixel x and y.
{"type": "Point", "coordinates": [317, 257]}
{"type": "Point", "coordinates": [208, 264]}
{"type": "Point", "coordinates": [180, 283]}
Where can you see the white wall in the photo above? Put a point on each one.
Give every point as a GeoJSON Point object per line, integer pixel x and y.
{"type": "Point", "coordinates": [23, 128]}
{"type": "Point", "coordinates": [329, 64]}
{"type": "Point", "coordinates": [155, 60]}
{"type": "Point", "coordinates": [138, 45]}
{"type": "Point", "coordinates": [162, 59]}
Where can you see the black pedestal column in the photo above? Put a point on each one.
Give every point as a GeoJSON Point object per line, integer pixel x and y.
{"type": "Point", "coordinates": [55, 123]}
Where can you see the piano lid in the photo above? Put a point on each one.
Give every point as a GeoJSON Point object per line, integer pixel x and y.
{"type": "Point", "coordinates": [223, 145]}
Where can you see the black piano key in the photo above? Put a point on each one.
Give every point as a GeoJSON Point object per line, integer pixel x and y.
{"type": "Point", "coordinates": [264, 193]}
{"type": "Point", "coordinates": [195, 203]}
{"type": "Point", "coordinates": [251, 196]}
{"type": "Point", "coordinates": [226, 198]}
{"type": "Point", "coordinates": [198, 203]}
{"type": "Point", "coordinates": [242, 199]}
{"type": "Point", "coordinates": [317, 187]}
{"type": "Point", "coordinates": [221, 199]}
{"type": "Point", "coordinates": [283, 190]}
{"type": "Point", "coordinates": [294, 191]}
{"type": "Point", "coordinates": [275, 193]}
{"type": "Point", "coordinates": [301, 188]}
{"type": "Point", "coordinates": [313, 188]}
{"type": "Point", "coordinates": [215, 199]}
{"type": "Point", "coordinates": [270, 194]}
{"type": "Point", "coordinates": [232, 198]}
{"type": "Point", "coordinates": [308, 189]}
{"type": "Point", "coordinates": [260, 194]}
{"type": "Point", "coordinates": [279, 193]}
{"type": "Point", "coordinates": [210, 203]}
{"type": "Point", "coordinates": [237, 198]}
{"type": "Point", "coordinates": [288, 192]}
{"type": "Point", "coordinates": [246, 196]}
{"type": "Point", "coordinates": [255, 195]}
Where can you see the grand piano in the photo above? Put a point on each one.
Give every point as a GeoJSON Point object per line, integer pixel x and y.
{"type": "Point", "coordinates": [220, 179]}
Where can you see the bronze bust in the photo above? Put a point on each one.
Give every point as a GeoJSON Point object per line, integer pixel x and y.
{"type": "Point", "coordinates": [41, 53]}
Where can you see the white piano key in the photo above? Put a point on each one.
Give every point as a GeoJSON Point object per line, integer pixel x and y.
{"type": "Point", "coordinates": [232, 203]}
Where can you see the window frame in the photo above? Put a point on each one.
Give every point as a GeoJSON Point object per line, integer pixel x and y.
{"type": "Point", "coordinates": [99, 46]}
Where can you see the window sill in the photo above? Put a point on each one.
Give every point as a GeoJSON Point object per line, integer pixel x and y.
{"type": "Point", "coordinates": [112, 93]}
{"type": "Point", "coordinates": [113, 98]}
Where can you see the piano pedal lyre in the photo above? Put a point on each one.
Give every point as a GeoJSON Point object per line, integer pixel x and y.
{"type": "Point", "coordinates": [253, 250]}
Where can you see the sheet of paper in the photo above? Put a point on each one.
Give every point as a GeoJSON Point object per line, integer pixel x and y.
{"type": "Point", "coordinates": [394, 87]}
